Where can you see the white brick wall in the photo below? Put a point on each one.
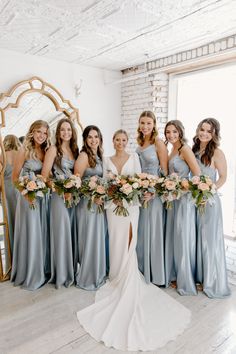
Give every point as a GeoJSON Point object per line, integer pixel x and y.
{"type": "Point", "coordinates": [150, 91]}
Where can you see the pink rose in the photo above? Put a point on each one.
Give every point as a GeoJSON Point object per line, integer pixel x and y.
{"type": "Point", "coordinates": [195, 180]}
{"type": "Point", "coordinates": [143, 175]}
{"type": "Point", "coordinates": [203, 186]}
{"type": "Point", "coordinates": [170, 185]}
{"type": "Point", "coordinates": [100, 190]}
{"type": "Point", "coordinates": [126, 188]}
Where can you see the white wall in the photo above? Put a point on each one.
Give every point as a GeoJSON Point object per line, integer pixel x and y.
{"type": "Point", "coordinates": [99, 103]}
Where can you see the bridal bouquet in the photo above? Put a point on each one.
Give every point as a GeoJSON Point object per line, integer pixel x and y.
{"type": "Point", "coordinates": [67, 188]}
{"type": "Point", "coordinates": [147, 184]}
{"type": "Point", "coordinates": [32, 187]}
{"type": "Point", "coordinates": [124, 192]}
{"type": "Point", "coordinates": [94, 188]}
{"type": "Point", "coordinates": [169, 188]}
{"type": "Point", "coordinates": [203, 190]}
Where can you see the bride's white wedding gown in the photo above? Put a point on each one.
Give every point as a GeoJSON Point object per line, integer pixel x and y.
{"type": "Point", "coordinates": [129, 314]}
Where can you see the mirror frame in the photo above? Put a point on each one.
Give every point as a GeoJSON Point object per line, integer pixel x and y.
{"type": "Point", "coordinates": [35, 84]}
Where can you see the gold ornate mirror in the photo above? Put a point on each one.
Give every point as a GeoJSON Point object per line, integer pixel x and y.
{"type": "Point", "coordinates": [25, 102]}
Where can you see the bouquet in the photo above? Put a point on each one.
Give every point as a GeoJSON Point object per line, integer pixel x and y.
{"type": "Point", "coordinates": [169, 188]}
{"type": "Point", "coordinates": [123, 191]}
{"type": "Point", "coordinates": [94, 188]}
{"type": "Point", "coordinates": [147, 184]}
{"type": "Point", "coordinates": [32, 187]}
{"type": "Point", "coordinates": [67, 188]}
{"type": "Point", "coordinates": [202, 189]}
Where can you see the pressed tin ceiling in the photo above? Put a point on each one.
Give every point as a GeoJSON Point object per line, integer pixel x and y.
{"type": "Point", "coordinates": [112, 34]}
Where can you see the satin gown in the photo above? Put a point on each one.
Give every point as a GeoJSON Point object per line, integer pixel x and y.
{"type": "Point", "coordinates": [211, 263]}
{"type": "Point", "coordinates": [180, 240]}
{"type": "Point", "coordinates": [92, 231]}
{"type": "Point", "coordinates": [62, 233]}
{"type": "Point", "coordinates": [11, 198]}
{"type": "Point", "coordinates": [128, 313]}
{"type": "Point", "coordinates": [29, 263]}
{"type": "Point", "coordinates": [150, 245]}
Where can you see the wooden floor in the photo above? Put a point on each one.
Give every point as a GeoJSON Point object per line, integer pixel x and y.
{"type": "Point", "coordinates": [44, 321]}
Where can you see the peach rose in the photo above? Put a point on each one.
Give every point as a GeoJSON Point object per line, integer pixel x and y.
{"type": "Point", "coordinates": [185, 183]}
{"type": "Point", "coordinates": [31, 186]}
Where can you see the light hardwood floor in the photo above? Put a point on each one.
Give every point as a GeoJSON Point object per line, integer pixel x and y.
{"type": "Point", "coordinates": [44, 321]}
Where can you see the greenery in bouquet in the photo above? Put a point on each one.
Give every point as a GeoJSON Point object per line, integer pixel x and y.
{"type": "Point", "coordinates": [94, 189]}
{"type": "Point", "coordinates": [32, 187]}
{"type": "Point", "coordinates": [146, 184]}
{"type": "Point", "coordinates": [169, 188]}
{"type": "Point", "coordinates": [67, 188]}
{"type": "Point", "coordinates": [124, 191]}
{"type": "Point", "coordinates": [202, 189]}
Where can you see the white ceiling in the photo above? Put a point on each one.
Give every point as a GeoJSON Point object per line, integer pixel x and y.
{"type": "Point", "coordinates": [112, 34]}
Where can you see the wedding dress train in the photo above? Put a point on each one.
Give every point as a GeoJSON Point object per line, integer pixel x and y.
{"type": "Point", "coordinates": [128, 313]}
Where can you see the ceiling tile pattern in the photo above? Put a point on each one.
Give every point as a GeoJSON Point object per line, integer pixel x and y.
{"type": "Point", "coordinates": [112, 34]}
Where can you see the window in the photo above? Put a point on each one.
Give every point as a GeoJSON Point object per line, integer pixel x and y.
{"type": "Point", "coordinates": [205, 93]}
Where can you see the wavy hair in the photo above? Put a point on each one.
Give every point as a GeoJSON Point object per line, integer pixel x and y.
{"type": "Point", "coordinates": [180, 128]}
{"type": "Point", "coordinates": [11, 142]}
{"type": "Point", "coordinates": [154, 134]}
{"type": "Point", "coordinates": [212, 144]}
{"type": "Point", "coordinates": [73, 141]}
{"type": "Point", "coordinates": [91, 157]}
{"type": "Point", "coordinates": [29, 143]}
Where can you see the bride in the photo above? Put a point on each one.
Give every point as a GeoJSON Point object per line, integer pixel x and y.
{"type": "Point", "coordinates": [129, 314]}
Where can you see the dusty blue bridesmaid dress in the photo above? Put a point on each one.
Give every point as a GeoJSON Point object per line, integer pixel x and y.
{"type": "Point", "coordinates": [211, 263]}
{"type": "Point", "coordinates": [62, 232]}
{"type": "Point", "coordinates": [150, 244]}
{"type": "Point", "coordinates": [92, 231]}
{"type": "Point", "coordinates": [180, 238]}
{"type": "Point", "coordinates": [11, 197]}
{"type": "Point", "coordinates": [29, 263]}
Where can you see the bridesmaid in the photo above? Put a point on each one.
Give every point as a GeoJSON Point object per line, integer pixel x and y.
{"type": "Point", "coordinates": [92, 226]}
{"type": "Point", "coordinates": [11, 145]}
{"type": "Point", "coordinates": [150, 246]}
{"type": "Point", "coordinates": [211, 264]}
{"type": "Point", "coordinates": [31, 234]}
{"type": "Point", "coordinates": [60, 158]}
{"type": "Point", "coordinates": [180, 243]}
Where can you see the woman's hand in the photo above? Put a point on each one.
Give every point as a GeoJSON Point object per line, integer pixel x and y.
{"type": "Point", "coordinates": [118, 202]}
{"type": "Point", "coordinates": [99, 201]}
{"type": "Point", "coordinates": [148, 196]}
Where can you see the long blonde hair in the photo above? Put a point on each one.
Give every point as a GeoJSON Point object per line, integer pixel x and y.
{"type": "Point", "coordinates": [29, 143]}
{"type": "Point", "coordinates": [11, 142]}
{"type": "Point", "coordinates": [140, 138]}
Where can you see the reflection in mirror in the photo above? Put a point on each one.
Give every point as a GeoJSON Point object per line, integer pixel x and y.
{"type": "Point", "coordinates": [25, 102]}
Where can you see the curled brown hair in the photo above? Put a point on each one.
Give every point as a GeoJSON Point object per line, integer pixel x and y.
{"type": "Point", "coordinates": [212, 144]}
{"type": "Point", "coordinates": [140, 138]}
{"type": "Point", "coordinates": [73, 140]}
{"type": "Point", "coordinates": [11, 142]}
{"type": "Point", "coordinates": [29, 143]}
{"type": "Point", "coordinates": [91, 157]}
{"type": "Point", "coordinates": [180, 128]}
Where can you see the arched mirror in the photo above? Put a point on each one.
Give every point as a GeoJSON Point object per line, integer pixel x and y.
{"type": "Point", "coordinates": [25, 102]}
